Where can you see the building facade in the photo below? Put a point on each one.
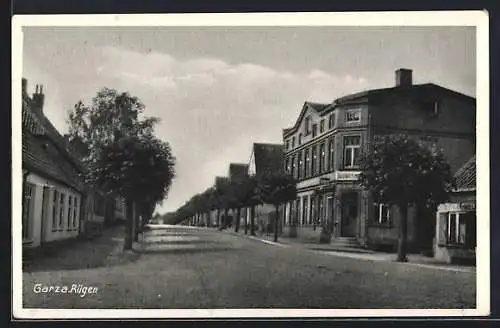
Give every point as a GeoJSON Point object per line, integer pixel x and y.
{"type": "Point", "coordinates": [456, 221]}
{"type": "Point", "coordinates": [323, 148]}
{"type": "Point", "coordinates": [52, 191]}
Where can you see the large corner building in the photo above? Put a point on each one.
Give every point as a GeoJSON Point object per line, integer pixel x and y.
{"type": "Point", "coordinates": [322, 151]}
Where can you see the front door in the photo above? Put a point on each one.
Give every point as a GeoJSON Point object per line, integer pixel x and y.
{"type": "Point", "coordinates": [350, 211]}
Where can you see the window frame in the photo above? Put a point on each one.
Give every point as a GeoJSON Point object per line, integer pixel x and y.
{"type": "Point", "coordinates": [314, 158]}
{"type": "Point", "coordinates": [27, 210]}
{"type": "Point", "coordinates": [315, 130]}
{"type": "Point", "coordinates": [322, 126]}
{"type": "Point", "coordinates": [307, 160]}
{"type": "Point", "coordinates": [322, 157]}
{"type": "Point", "coordinates": [62, 202]}
{"type": "Point", "coordinates": [352, 149]}
{"type": "Point", "coordinates": [331, 121]}
{"type": "Point", "coordinates": [456, 238]}
{"type": "Point", "coordinates": [331, 153]}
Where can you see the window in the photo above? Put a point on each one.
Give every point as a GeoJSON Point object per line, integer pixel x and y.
{"type": "Point", "coordinates": [432, 108]}
{"type": "Point", "coordinates": [75, 212]}
{"type": "Point", "coordinates": [331, 121]}
{"type": "Point", "coordinates": [352, 146]}
{"type": "Point", "coordinates": [300, 138]}
{"type": "Point", "coordinates": [70, 213]}
{"type": "Point", "coordinates": [353, 115]}
{"type": "Point", "coordinates": [382, 212]}
{"type": "Point", "coordinates": [314, 169]}
{"type": "Point", "coordinates": [331, 154]}
{"type": "Point", "coordinates": [315, 130]}
{"type": "Point", "coordinates": [320, 218]}
{"type": "Point", "coordinates": [300, 169]}
{"type": "Point", "coordinates": [287, 147]}
{"type": "Point", "coordinates": [322, 156]}
{"type": "Point", "coordinates": [462, 228]}
{"type": "Point", "coordinates": [322, 126]}
{"type": "Point", "coordinates": [294, 166]}
{"type": "Point", "coordinates": [307, 125]}
{"type": "Point", "coordinates": [287, 165]}
{"type": "Point", "coordinates": [305, 200]}
{"type": "Point", "coordinates": [29, 189]}
{"type": "Point", "coordinates": [312, 210]}
{"type": "Point", "coordinates": [61, 209]}
{"type": "Point", "coordinates": [293, 142]}
{"type": "Point", "coordinates": [55, 208]}
{"type": "Point", "coordinates": [307, 163]}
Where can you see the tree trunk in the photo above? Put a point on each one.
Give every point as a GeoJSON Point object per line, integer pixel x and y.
{"type": "Point", "coordinates": [276, 223]}
{"type": "Point", "coordinates": [238, 219]}
{"type": "Point", "coordinates": [218, 217]}
{"type": "Point", "coordinates": [129, 225]}
{"type": "Point", "coordinates": [246, 221]}
{"type": "Point", "coordinates": [403, 230]}
{"type": "Point", "coordinates": [226, 213]}
{"type": "Point", "coordinates": [252, 220]}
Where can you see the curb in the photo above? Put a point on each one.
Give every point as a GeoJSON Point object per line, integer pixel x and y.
{"type": "Point", "coordinates": [361, 256]}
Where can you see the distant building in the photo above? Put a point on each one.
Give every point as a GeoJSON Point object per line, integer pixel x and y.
{"type": "Point", "coordinates": [456, 221]}
{"type": "Point", "coordinates": [323, 148]}
{"type": "Point", "coordinates": [264, 157]}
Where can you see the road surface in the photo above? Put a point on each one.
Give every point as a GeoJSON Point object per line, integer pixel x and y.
{"type": "Point", "coordinates": [185, 267]}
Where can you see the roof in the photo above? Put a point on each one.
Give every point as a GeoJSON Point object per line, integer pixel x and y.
{"type": "Point", "coordinates": [319, 108]}
{"type": "Point", "coordinates": [427, 88]}
{"type": "Point", "coordinates": [237, 169]}
{"type": "Point", "coordinates": [220, 180]}
{"type": "Point", "coordinates": [267, 157]}
{"type": "Point", "coordinates": [38, 157]}
{"type": "Point", "coordinates": [43, 151]}
{"type": "Point", "coordinates": [465, 177]}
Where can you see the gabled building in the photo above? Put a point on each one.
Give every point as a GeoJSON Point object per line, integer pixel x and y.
{"type": "Point", "coordinates": [53, 192]}
{"type": "Point", "coordinates": [264, 157]}
{"type": "Point", "coordinates": [323, 149]}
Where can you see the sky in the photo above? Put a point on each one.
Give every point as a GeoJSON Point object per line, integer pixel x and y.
{"type": "Point", "coordinates": [219, 89]}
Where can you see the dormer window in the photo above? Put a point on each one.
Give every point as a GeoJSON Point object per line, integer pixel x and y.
{"type": "Point", "coordinates": [322, 126]}
{"type": "Point", "coordinates": [314, 130]}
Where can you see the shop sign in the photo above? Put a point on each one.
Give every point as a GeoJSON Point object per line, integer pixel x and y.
{"type": "Point", "coordinates": [347, 175]}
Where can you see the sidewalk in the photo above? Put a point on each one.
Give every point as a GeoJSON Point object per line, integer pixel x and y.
{"type": "Point", "coordinates": [105, 250]}
{"type": "Point", "coordinates": [355, 253]}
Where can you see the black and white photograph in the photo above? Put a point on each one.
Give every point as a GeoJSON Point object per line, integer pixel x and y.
{"type": "Point", "coordinates": [251, 165]}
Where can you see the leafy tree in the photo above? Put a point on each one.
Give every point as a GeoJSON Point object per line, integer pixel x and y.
{"type": "Point", "coordinates": [249, 197]}
{"type": "Point", "coordinates": [276, 188]}
{"type": "Point", "coordinates": [405, 173]}
{"type": "Point", "coordinates": [120, 153]}
{"type": "Point", "coordinates": [225, 199]}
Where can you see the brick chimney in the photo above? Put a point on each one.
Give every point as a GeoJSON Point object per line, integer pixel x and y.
{"type": "Point", "coordinates": [404, 77]}
{"type": "Point", "coordinates": [38, 99]}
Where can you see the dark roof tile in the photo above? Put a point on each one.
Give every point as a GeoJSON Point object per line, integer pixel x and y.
{"type": "Point", "coordinates": [465, 177]}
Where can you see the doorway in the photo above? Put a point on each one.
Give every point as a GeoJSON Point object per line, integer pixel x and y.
{"type": "Point", "coordinates": [349, 214]}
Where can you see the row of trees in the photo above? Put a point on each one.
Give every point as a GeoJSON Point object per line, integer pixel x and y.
{"type": "Point", "coordinates": [121, 155]}
{"type": "Point", "coordinates": [270, 187]}
{"type": "Point", "coordinates": [402, 171]}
